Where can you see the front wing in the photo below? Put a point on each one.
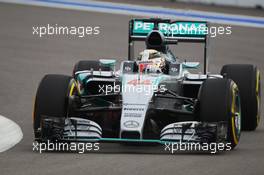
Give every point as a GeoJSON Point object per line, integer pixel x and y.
{"type": "Point", "coordinates": [83, 130]}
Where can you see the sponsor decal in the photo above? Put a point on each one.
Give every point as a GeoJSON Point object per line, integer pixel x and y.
{"type": "Point", "coordinates": [139, 82]}
{"type": "Point", "coordinates": [131, 124]}
{"type": "Point", "coordinates": [177, 28]}
{"type": "Point", "coordinates": [132, 115]}
{"type": "Point", "coordinates": [127, 68]}
{"type": "Point", "coordinates": [134, 109]}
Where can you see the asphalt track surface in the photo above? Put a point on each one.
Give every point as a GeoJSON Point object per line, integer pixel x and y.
{"type": "Point", "coordinates": [194, 6]}
{"type": "Point", "coordinates": [25, 58]}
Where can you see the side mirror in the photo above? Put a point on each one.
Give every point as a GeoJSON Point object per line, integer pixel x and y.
{"type": "Point", "coordinates": [108, 63]}
{"type": "Point", "coordinates": [190, 65]}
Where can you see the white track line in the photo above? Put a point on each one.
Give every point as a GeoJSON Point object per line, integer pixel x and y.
{"type": "Point", "coordinates": [140, 10]}
{"type": "Point", "coordinates": [10, 134]}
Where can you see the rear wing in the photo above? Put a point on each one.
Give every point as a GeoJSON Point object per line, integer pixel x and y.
{"type": "Point", "coordinates": [177, 31]}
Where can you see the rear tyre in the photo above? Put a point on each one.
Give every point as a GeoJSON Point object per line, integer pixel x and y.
{"type": "Point", "coordinates": [219, 101]}
{"type": "Point", "coordinates": [51, 98]}
{"type": "Point", "coordinates": [247, 78]}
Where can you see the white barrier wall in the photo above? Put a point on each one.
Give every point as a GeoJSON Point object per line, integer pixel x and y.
{"type": "Point", "coordinates": [240, 3]}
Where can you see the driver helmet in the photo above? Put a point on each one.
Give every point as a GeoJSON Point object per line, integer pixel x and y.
{"type": "Point", "coordinates": [153, 60]}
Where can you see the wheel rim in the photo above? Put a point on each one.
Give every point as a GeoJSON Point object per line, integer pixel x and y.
{"type": "Point", "coordinates": [258, 96]}
{"type": "Point", "coordinates": [72, 88]}
{"type": "Point", "coordinates": [72, 91]}
{"type": "Point", "coordinates": [236, 114]}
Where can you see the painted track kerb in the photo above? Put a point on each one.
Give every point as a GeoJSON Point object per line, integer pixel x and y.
{"type": "Point", "coordinates": [10, 134]}
{"type": "Point", "coordinates": [128, 9]}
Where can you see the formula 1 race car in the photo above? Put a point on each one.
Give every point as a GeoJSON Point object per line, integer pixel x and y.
{"type": "Point", "coordinates": [153, 98]}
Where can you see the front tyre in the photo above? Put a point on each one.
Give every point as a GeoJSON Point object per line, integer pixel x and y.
{"type": "Point", "coordinates": [52, 98]}
{"type": "Point", "coordinates": [219, 100]}
{"type": "Point", "coordinates": [247, 78]}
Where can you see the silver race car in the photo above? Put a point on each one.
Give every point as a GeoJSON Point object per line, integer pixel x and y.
{"type": "Point", "coordinates": [153, 97]}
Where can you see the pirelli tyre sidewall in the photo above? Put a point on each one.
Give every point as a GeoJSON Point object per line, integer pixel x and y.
{"type": "Point", "coordinates": [234, 131]}
{"type": "Point", "coordinates": [52, 98]}
{"type": "Point", "coordinates": [219, 100]}
{"type": "Point", "coordinates": [258, 95]}
{"type": "Point", "coordinates": [247, 78]}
